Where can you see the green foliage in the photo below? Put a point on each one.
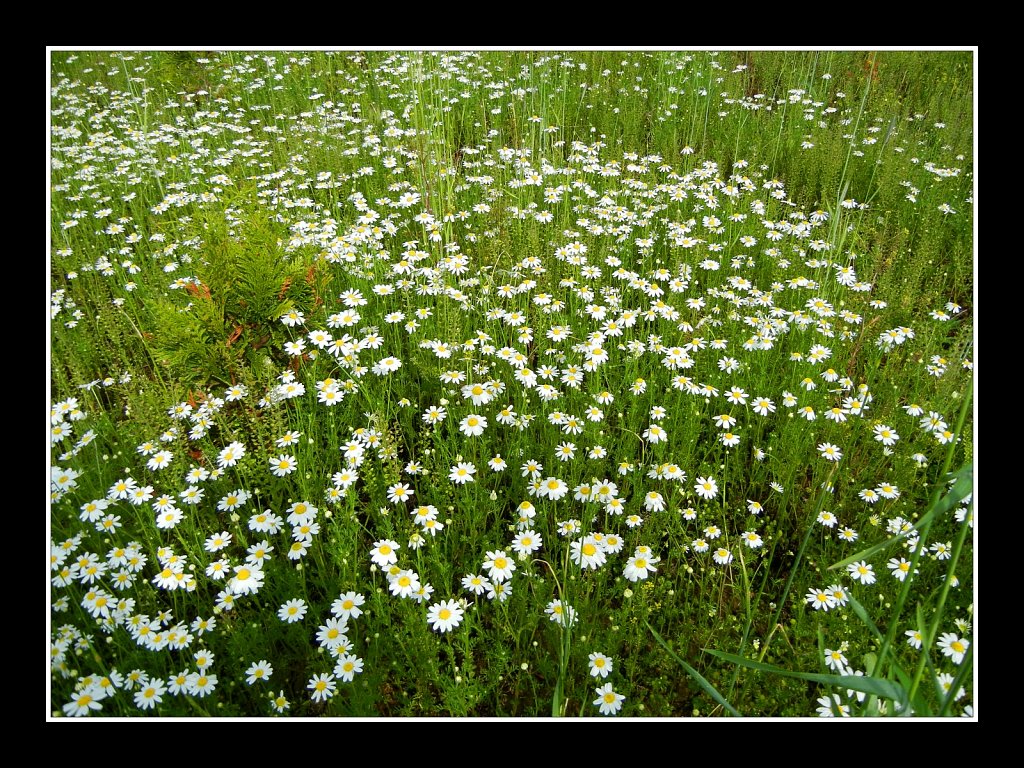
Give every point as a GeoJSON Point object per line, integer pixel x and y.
{"type": "Point", "coordinates": [243, 286]}
{"type": "Point", "coordinates": [179, 71]}
{"type": "Point", "coordinates": [466, 204]}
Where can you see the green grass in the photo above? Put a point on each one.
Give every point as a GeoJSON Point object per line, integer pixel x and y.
{"type": "Point", "coordinates": [611, 257]}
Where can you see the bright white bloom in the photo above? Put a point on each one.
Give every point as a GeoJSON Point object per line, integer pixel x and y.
{"type": "Point", "coordinates": [553, 489]}
{"type": "Point", "coordinates": [600, 665]}
{"type": "Point", "coordinates": [830, 452]}
{"type": "Point", "coordinates": [445, 616]}
{"type": "Point", "coordinates": [283, 465]}
{"type": "Point", "coordinates": [953, 646]}
{"type": "Point", "coordinates": [587, 553]}
{"type": "Point", "coordinates": [752, 539]}
{"type": "Point", "coordinates": [473, 425]}
{"type": "Point", "coordinates": [862, 572]}
{"type": "Point", "coordinates": [499, 565]}
{"type": "Point", "coordinates": [885, 435]}
{"type": "Point", "coordinates": [654, 502]}
{"type": "Point", "coordinates": [230, 455]}
{"type": "Point", "coordinates": [706, 487]}
{"type": "Point", "coordinates": [820, 600]}
{"type": "Point", "coordinates": [639, 567]}
{"type": "Point", "coordinates": [462, 473]}
{"type": "Point", "coordinates": [608, 701]}
{"type": "Point", "coordinates": [384, 553]}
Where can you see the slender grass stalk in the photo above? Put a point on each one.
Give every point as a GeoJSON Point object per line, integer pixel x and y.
{"type": "Point", "coordinates": [843, 179]}
{"type": "Point", "coordinates": [701, 681]}
{"type": "Point", "coordinates": [923, 537]}
{"type": "Point", "coordinates": [939, 609]}
{"type": "Point", "coordinates": [794, 568]}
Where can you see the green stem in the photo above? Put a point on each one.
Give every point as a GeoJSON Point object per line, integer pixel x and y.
{"type": "Point", "coordinates": [843, 182]}
{"type": "Point", "coordinates": [796, 563]}
{"type": "Point", "coordinates": [947, 582]}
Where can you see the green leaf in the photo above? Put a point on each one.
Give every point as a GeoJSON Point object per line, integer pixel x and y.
{"type": "Point", "coordinates": [864, 684]}
{"type": "Point", "coordinates": [870, 660]}
{"type": "Point", "coordinates": [709, 689]}
{"type": "Point", "coordinates": [901, 674]}
{"type": "Point", "coordinates": [862, 614]}
{"type": "Point", "coordinates": [282, 309]}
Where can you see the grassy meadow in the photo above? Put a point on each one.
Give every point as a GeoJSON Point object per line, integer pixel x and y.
{"type": "Point", "coordinates": [508, 384]}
